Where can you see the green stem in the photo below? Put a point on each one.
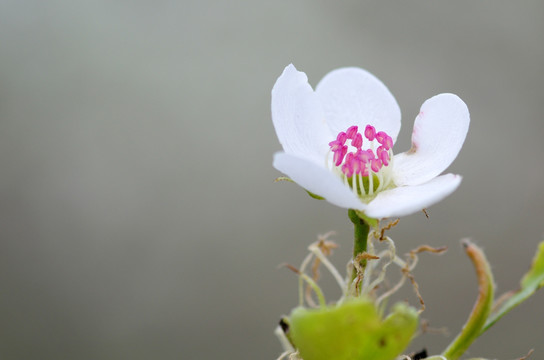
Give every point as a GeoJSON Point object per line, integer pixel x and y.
{"type": "Point", "coordinates": [361, 229]}
{"type": "Point", "coordinates": [482, 308]}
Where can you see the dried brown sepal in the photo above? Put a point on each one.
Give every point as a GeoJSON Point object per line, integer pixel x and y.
{"type": "Point", "coordinates": [357, 263]}
{"type": "Point", "coordinates": [407, 269]}
{"type": "Point", "coordinates": [427, 329]}
{"type": "Point", "coordinates": [365, 256]}
{"type": "Point", "coordinates": [358, 281]}
{"type": "Point", "coordinates": [526, 356]}
{"type": "Point", "coordinates": [427, 248]}
{"type": "Point", "coordinates": [326, 246]}
{"type": "Point", "coordinates": [315, 269]}
{"type": "Point", "coordinates": [415, 286]}
{"type": "Point", "coordinates": [387, 227]}
{"type": "Point", "coordinates": [290, 267]}
{"type": "Point", "coordinates": [425, 212]}
{"type": "Point", "coordinates": [308, 293]}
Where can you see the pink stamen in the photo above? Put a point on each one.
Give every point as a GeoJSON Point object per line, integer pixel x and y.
{"type": "Point", "coordinates": [376, 165]}
{"type": "Point", "coordinates": [383, 155]}
{"type": "Point", "coordinates": [335, 145]}
{"type": "Point", "coordinates": [339, 155]}
{"type": "Point", "coordinates": [357, 160]}
{"type": "Point", "coordinates": [370, 132]}
{"type": "Point", "coordinates": [380, 136]}
{"type": "Point", "coordinates": [385, 140]}
{"type": "Point", "coordinates": [352, 131]}
{"type": "Point", "coordinates": [342, 137]}
{"type": "Point", "coordinates": [357, 141]}
{"type": "Point", "coordinates": [347, 168]}
{"type": "Point", "coordinates": [357, 166]}
{"type": "Point", "coordinates": [388, 142]}
{"type": "Point", "coordinates": [364, 155]}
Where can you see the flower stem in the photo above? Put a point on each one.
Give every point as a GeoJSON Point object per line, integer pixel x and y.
{"type": "Point", "coordinates": [361, 229]}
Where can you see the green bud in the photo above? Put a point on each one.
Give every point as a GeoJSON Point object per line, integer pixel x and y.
{"type": "Point", "coordinates": [351, 331]}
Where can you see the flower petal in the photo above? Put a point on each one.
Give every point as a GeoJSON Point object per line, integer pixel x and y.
{"type": "Point", "coordinates": [353, 96]}
{"type": "Point", "coordinates": [439, 132]}
{"type": "Point", "coordinates": [318, 180]}
{"type": "Point", "coordinates": [298, 116]}
{"type": "Point", "coordinates": [406, 200]}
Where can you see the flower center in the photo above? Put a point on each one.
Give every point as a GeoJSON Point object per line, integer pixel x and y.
{"type": "Point", "coordinates": [364, 170]}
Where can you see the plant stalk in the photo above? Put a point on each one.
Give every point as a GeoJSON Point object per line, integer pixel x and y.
{"type": "Point", "coordinates": [360, 238]}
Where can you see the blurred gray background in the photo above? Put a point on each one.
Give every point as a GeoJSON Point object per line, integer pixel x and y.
{"type": "Point", "coordinates": [138, 214]}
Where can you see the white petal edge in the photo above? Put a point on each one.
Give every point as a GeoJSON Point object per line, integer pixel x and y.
{"type": "Point", "coordinates": [298, 116]}
{"type": "Point", "coordinates": [406, 200]}
{"type": "Point", "coordinates": [318, 180]}
{"type": "Point", "coordinates": [353, 96]}
{"type": "Point", "coordinates": [439, 132]}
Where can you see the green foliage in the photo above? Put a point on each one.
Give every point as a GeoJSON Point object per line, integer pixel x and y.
{"type": "Point", "coordinates": [288, 179]}
{"type": "Point", "coordinates": [351, 331]}
{"type": "Point", "coordinates": [531, 282]}
{"type": "Point", "coordinates": [315, 196]}
{"type": "Point", "coordinates": [484, 303]}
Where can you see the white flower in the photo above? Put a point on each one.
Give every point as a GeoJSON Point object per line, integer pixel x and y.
{"type": "Point", "coordinates": [338, 140]}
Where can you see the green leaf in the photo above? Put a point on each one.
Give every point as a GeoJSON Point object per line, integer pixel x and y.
{"type": "Point", "coordinates": [482, 308]}
{"type": "Point", "coordinates": [353, 330]}
{"type": "Point", "coordinates": [315, 196]}
{"type": "Point", "coordinates": [531, 282]}
{"type": "Point", "coordinates": [285, 178]}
